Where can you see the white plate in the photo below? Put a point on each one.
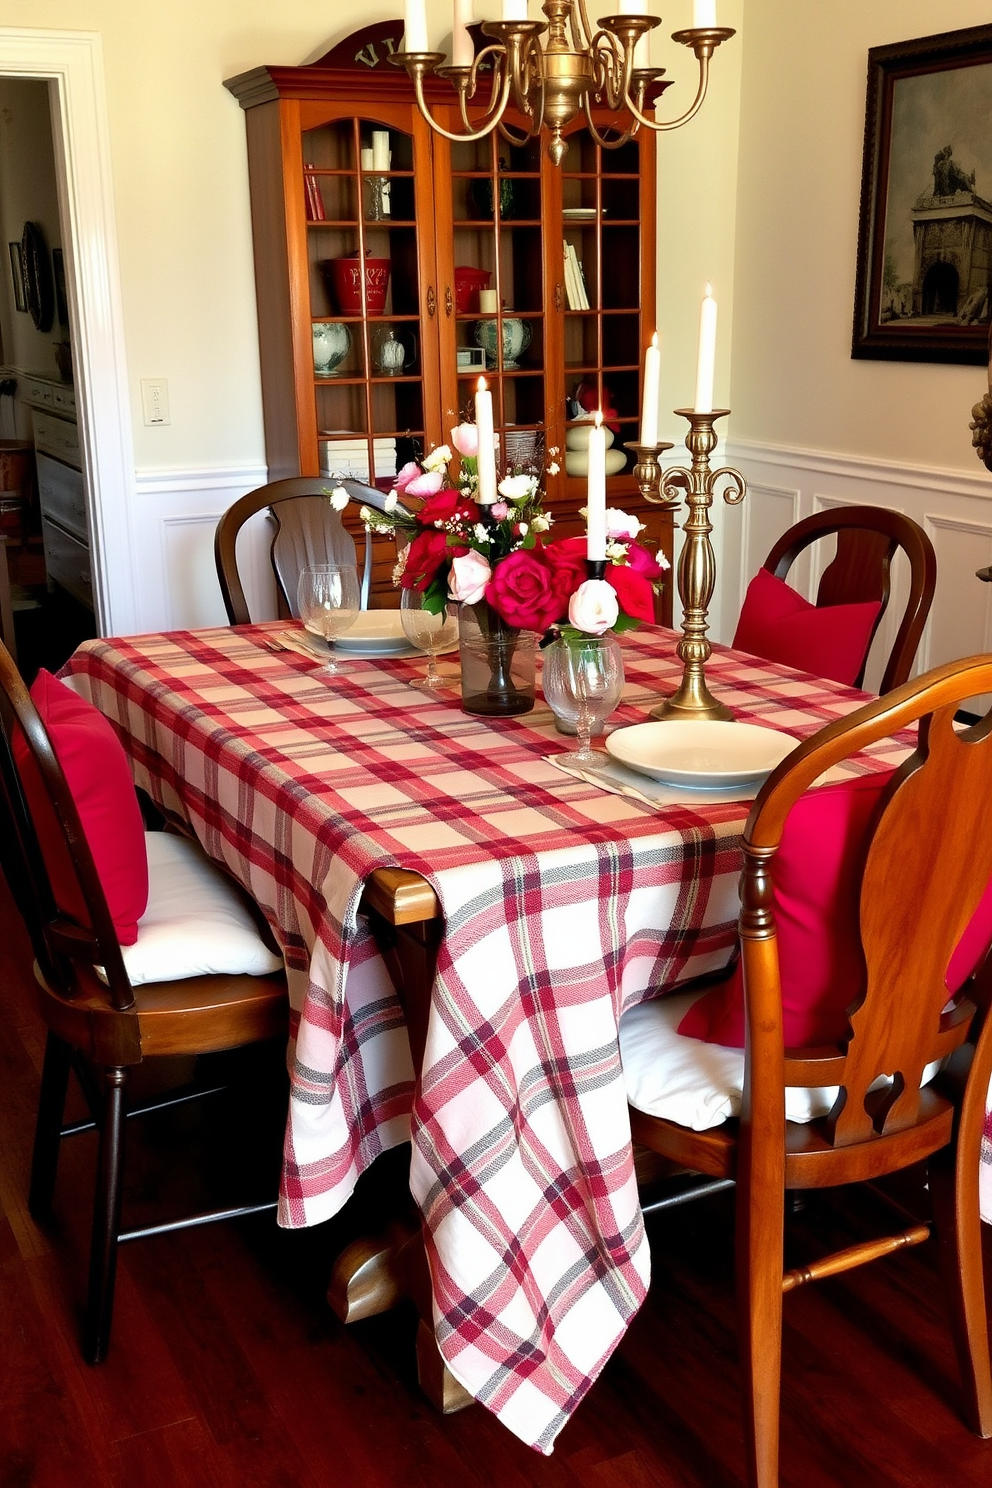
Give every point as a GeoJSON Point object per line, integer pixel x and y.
{"type": "Point", "coordinates": [579, 214]}
{"type": "Point", "coordinates": [706, 755]}
{"type": "Point", "coordinates": [375, 631]}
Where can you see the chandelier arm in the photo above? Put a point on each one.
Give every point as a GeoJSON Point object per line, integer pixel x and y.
{"type": "Point", "coordinates": [492, 119]}
{"type": "Point", "coordinates": [524, 64]}
{"type": "Point", "coordinates": [579, 26]}
{"type": "Point", "coordinates": [515, 139]}
{"type": "Point", "coordinates": [491, 116]}
{"type": "Point", "coordinates": [601, 140]}
{"type": "Point", "coordinates": [613, 66]}
{"type": "Point", "coordinates": [661, 126]}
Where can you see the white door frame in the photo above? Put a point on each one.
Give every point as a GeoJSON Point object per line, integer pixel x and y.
{"type": "Point", "coordinates": [72, 61]}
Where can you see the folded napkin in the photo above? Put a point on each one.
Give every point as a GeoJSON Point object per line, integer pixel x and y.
{"type": "Point", "coordinates": [616, 778]}
{"type": "Point", "coordinates": [314, 647]}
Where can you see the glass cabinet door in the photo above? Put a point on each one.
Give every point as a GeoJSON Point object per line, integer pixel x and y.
{"type": "Point", "coordinates": [368, 279]}
{"type": "Point", "coordinates": [497, 278]}
{"type": "Point", "coordinates": [605, 295]}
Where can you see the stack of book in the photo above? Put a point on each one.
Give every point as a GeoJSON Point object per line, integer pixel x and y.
{"type": "Point", "coordinates": [350, 455]}
{"type": "Point", "coordinates": [575, 280]}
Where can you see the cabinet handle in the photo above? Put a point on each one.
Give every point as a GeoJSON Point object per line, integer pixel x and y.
{"type": "Point", "coordinates": [431, 301]}
{"type": "Point", "coordinates": [448, 302]}
{"type": "Point", "coordinates": [558, 296]}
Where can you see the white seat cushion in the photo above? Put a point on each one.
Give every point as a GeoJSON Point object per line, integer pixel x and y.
{"type": "Point", "coordinates": [196, 922]}
{"type": "Point", "coordinates": [693, 1083]}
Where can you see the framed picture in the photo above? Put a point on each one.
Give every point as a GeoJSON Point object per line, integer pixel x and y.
{"type": "Point", "coordinates": [58, 274]}
{"type": "Point", "coordinates": [924, 274]}
{"type": "Point", "coordinates": [17, 275]}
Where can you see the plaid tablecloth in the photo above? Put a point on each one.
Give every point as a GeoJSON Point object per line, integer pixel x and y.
{"type": "Point", "coordinates": [563, 906]}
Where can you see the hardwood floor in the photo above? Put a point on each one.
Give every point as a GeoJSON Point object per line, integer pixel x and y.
{"type": "Point", "coordinates": [227, 1368]}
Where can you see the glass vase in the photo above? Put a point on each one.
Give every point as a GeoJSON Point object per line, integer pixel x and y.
{"type": "Point", "coordinates": [498, 663]}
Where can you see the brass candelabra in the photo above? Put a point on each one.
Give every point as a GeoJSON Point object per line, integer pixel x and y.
{"type": "Point", "coordinates": [697, 565]}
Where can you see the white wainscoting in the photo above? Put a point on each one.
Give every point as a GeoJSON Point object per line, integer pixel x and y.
{"type": "Point", "coordinates": [953, 507]}
{"type": "Point", "coordinates": [173, 523]}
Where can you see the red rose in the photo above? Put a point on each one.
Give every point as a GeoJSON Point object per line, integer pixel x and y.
{"type": "Point", "coordinates": [446, 505]}
{"type": "Point", "coordinates": [634, 592]}
{"type": "Point", "coordinates": [642, 562]}
{"type": "Point", "coordinates": [424, 557]}
{"type": "Point", "coordinates": [521, 591]}
{"type": "Point", "coordinates": [566, 559]}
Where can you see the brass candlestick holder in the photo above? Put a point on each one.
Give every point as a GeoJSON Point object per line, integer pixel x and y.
{"type": "Point", "coordinates": [697, 565]}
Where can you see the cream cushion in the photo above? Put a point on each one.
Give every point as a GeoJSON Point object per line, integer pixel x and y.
{"type": "Point", "coordinates": [696, 1084]}
{"type": "Point", "coordinates": [196, 922]}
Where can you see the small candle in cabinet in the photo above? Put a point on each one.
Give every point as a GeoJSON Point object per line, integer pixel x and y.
{"type": "Point", "coordinates": [652, 386]}
{"type": "Point", "coordinates": [462, 48]}
{"type": "Point", "coordinates": [596, 493]}
{"type": "Point", "coordinates": [488, 301]}
{"type": "Point", "coordinates": [380, 150]}
{"type": "Point", "coordinates": [706, 361]}
{"type": "Point", "coordinates": [487, 449]}
{"type": "Point", "coordinates": [415, 26]}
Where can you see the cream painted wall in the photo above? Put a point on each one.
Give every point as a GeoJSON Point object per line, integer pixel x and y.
{"type": "Point", "coordinates": [802, 122]}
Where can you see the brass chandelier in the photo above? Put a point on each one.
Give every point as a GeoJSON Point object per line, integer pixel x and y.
{"type": "Point", "coordinates": [548, 79]}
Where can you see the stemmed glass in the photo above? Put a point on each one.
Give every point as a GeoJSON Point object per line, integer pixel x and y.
{"type": "Point", "coordinates": [431, 633]}
{"type": "Point", "coordinates": [582, 682]}
{"type": "Point", "coordinates": [328, 599]}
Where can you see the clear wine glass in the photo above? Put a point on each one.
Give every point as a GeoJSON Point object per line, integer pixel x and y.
{"type": "Point", "coordinates": [432, 633]}
{"type": "Point", "coordinates": [582, 683]}
{"type": "Point", "coordinates": [329, 601]}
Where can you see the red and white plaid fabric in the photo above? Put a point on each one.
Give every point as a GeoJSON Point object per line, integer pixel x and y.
{"type": "Point", "coordinates": [563, 906]}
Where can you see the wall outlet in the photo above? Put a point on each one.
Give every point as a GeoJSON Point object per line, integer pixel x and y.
{"type": "Point", "coordinates": [155, 400]}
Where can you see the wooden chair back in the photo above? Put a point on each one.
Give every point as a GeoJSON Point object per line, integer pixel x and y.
{"type": "Point", "coordinates": [868, 537]}
{"type": "Point", "coordinates": [926, 867]}
{"type": "Point", "coordinates": [62, 944]}
{"type": "Point", "coordinates": [306, 531]}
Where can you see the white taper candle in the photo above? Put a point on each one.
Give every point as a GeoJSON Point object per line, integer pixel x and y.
{"type": "Point", "coordinates": [596, 493]}
{"type": "Point", "coordinates": [487, 444]}
{"type": "Point", "coordinates": [462, 48]}
{"type": "Point", "coordinates": [703, 13]}
{"type": "Point", "coordinates": [706, 361]}
{"type": "Point", "coordinates": [652, 388]}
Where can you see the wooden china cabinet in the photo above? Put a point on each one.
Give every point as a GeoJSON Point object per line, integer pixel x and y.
{"type": "Point", "coordinates": [363, 372]}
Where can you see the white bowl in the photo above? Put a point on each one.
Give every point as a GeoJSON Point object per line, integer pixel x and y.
{"type": "Point", "coordinates": [577, 436]}
{"type": "Point", "coordinates": [577, 462]}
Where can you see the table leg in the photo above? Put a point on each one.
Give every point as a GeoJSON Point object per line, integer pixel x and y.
{"type": "Point", "coordinates": [376, 1273]}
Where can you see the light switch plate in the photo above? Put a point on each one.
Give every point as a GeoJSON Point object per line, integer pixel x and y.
{"type": "Point", "coordinates": [155, 400]}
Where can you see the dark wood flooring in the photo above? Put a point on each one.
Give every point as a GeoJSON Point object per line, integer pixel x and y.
{"type": "Point", "coordinates": [227, 1368]}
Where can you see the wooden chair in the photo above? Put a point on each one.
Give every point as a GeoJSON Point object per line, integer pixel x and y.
{"type": "Point", "coordinates": [102, 1026]}
{"type": "Point", "coordinates": [927, 867]}
{"type": "Point", "coordinates": [307, 530]}
{"type": "Point", "coordinates": [867, 540]}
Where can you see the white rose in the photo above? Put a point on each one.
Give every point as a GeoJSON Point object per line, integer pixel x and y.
{"type": "Point", "coordinates": [620, 526]}
{"type": "Point", "coordinates": [469, 575]}
{"type": "Point", "coordinates": [517, 487]}
{"type": "Point", "coordinates": [390, 501]}
{"type": "Point", "coordinates": [593, 607]}
{"type": "Point", "coordinates": [438, 458]}
{"type": "Point", "coordinates": [339, 498]}
{"type": "Point", "coordinates": [541, 523]}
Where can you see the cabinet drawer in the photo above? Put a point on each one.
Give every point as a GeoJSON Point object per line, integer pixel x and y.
{"type": "Point", "coordinates": [33, 390]}
{"type": "Point", "coordinates": [67, 561]}
{"type": "Point", "coordinates": [56, 436]}
{"type": "Point", "coordinates": [62, 495]}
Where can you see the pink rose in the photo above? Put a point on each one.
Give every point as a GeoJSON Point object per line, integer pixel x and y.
{"type": "Point", "coordinates": [427, 483]}
{"type": "Point", "coordinates": [470, 573]}
{"type": "Point", "coordinates": [643, 562]}
{"type": "Point", "coordinates": [633, 591]}
{"type": "Point", "coordinates": [521, 591]}
{"type": "Point", "coordinates": [620, 527]}
{"type": "Point", "coordinates": [465, 438]}
{"type": "Point", "coordinates": [411, 471]}
{"type": "Point", "coordinates": [424, 557]}
{"type": "Point", "coordinates": [499, 510]}
{"type": "Point", "coordinates": [593, 607]}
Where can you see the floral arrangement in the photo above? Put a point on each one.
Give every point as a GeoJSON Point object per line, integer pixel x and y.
{"type": "Point", "coordinates": [472, 551]}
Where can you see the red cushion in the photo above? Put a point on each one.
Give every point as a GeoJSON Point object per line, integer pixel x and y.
{"type": "Point", "coordinates": [779, 625]}
{"type": "Point", "coordinates": [816, 873]}
{"type": "Point", "coordinates": [98, 776]}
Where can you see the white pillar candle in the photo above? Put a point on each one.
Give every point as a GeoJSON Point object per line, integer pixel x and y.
{"type": "Point", "coordinates": [706, 360]}
{"type": "Point", "coordinates": [514, 10]}
{"type": "Point", "coordinates": [462, 48]}
{"type": "Point", "coordinates": [487, 444]}
{"type": "Point", "coordinates": [652, 387]}
{"type": "Point", "coordinates": [703, 13]}
{"type": "Point", "coordinates": [367, 158]}
{"type": "Point", "coordinates": [596, 493]}
{"type": "Point", "coordinates": [380, 149]}
{"type": "Point", "coordinates": [415, 26]}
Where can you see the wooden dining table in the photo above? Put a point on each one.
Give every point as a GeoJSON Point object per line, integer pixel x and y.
{"type": "Point", "coordinates": [434, 880]}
